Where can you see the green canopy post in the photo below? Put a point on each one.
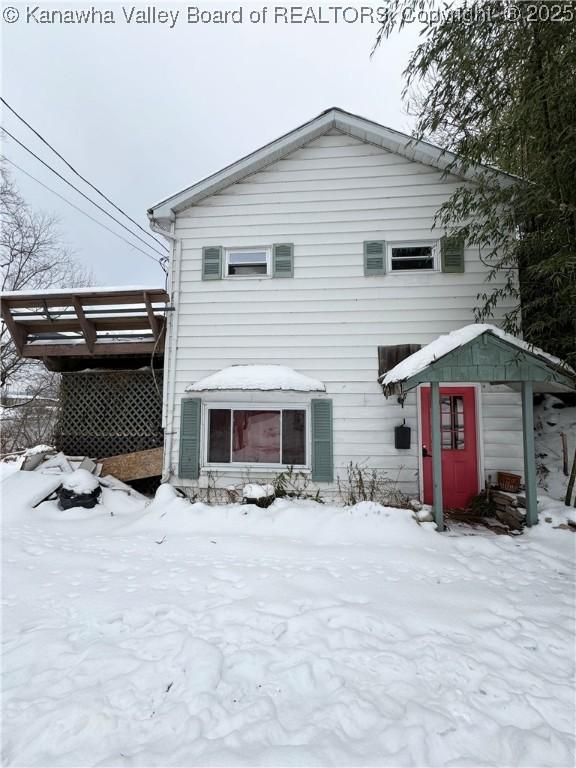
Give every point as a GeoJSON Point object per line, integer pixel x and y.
{"type": "Point", "coordinates": [438, 505]}
{"type": "Point", "coordinates": [529, 453]}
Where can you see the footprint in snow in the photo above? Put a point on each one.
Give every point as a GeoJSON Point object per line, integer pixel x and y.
{"type": "Point", "coordinates": [32, 550]}
{"type": "Point", "coordinates": [115, 567]}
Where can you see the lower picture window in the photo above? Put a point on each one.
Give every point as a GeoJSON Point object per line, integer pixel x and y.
{"type": "Point", "coordinates": [256, 436]}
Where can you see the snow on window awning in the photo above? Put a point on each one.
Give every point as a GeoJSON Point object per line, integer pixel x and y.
{"type": "Point", "coordinates": [257, 377]}
{"type": "Point", "coordinates": [441, 346]}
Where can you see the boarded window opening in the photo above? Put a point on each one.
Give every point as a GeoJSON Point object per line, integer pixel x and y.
{"type": "Point", "coordinates": [390, 356]}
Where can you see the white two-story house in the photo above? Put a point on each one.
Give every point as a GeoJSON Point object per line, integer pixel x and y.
{"type": "Point", "coordinates": [299, 274]}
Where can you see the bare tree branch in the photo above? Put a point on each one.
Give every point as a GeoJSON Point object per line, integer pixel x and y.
{"type": "Point", "coordinates": [32, 256]}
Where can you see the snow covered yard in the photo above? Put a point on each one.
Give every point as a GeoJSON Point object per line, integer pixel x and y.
{"type": "Point", "coordinates": [297, 635]}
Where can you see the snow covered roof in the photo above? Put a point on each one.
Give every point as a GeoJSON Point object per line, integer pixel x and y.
{"type": "Point", "coordinates": [417, 362]}
{"type": "Point", "coordinates": [93, 290]}
{"type": "Point", "coordinates": [258, 377]}
{"type": "Point", "coordinates": [331, 119]}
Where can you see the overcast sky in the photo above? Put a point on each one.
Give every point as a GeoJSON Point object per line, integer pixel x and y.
{"type": "Point", "coordinates": [144, 110]}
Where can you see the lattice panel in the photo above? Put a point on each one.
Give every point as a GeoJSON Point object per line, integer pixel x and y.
{"type": "Point", "coordinates": [105, 413]}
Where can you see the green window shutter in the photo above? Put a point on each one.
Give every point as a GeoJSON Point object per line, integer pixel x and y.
{"type": "Point", "coordinates": [283, 260]}
{"type": "Point", "coordinates": [189, 465]}
{"type": "Point", "coordinates": [374, 257]}
{"type": "Point", "coordinates": [212, 262]}
{"type": "Point", "coordinates": [452, 252]}
{"type": "Point", "coordinates": [322, 450]}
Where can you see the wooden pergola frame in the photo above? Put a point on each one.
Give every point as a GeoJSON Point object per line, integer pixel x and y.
{"type": "Point", "coordinates": [487, 358]}
{"type": "Point", "coordinates": [89, 323]}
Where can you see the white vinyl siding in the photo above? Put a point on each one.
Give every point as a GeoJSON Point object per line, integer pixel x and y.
{"type": "Point", "coordinates": [328, 321]}
{"type": "Point", "coordinates": [502, 430]}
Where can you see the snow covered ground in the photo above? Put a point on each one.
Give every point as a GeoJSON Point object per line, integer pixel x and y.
{"type": "Point", "coordinates": [297, 635]}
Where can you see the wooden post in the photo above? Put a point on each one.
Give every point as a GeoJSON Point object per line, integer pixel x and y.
{"type": "Point", "coordinates": [438, 506]}
{"type": "Point", "coordinates": [153, 320]}
{"type": "Point", "coordinates": [529, 453]}
{"type": "Point", "coordinates": [18, 332]}
{"type": "Point", "coordinates": [564, 439]}
{"type": "Point", "coordinates": [88, 329]}
{"type": "Point", "coordinates": [571, 482]}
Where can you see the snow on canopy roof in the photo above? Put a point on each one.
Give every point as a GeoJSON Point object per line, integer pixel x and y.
{"type": "Point", "coordinates": [441, 346]}
{"type": "Point", "coordinates": [262, 377]}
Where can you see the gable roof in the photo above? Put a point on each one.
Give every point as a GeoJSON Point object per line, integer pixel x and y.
{"type": "Point", "coordinates": [331, 119]}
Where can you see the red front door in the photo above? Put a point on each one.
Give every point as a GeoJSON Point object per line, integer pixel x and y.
{"type": "Point", "coordinates": [459, 450]}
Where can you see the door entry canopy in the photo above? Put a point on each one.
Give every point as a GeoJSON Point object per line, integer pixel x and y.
{"type": "Point", "coordinates": [479, 353]}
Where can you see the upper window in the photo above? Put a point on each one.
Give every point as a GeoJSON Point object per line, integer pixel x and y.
{"type": "Point", "coordinates": [273, 436]}
{"type": "Point", "coordinates": [411, 257]}
{"type": "Point", "coordinates": [247, 262]}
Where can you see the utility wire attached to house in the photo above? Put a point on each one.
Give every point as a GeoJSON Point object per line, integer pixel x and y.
{"type": "Point", "coordinates": [163, 256]}
{"type": "Point", "coordinates": [84, 179]}
{"type": "Point", "coordinates": [80, 210]}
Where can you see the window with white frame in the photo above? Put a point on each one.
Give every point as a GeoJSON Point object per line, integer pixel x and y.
{"type": "Point", "coordinates": [257, 435]}
{"type": "Point", "coordinates": [412, 257]}
{"type": "Point", "coordinates": [247, 262]}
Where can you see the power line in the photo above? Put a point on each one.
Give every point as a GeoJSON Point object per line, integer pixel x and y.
{"type": "Point", "coordinates": [84, 179]}
{"type": "Point", "coordinates": [80, 210]}
{"type": "Point", "coordinates": [162, 255]}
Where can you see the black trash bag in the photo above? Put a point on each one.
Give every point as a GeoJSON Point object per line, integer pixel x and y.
{"type": "Point", "coordinates": [69, 499]}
